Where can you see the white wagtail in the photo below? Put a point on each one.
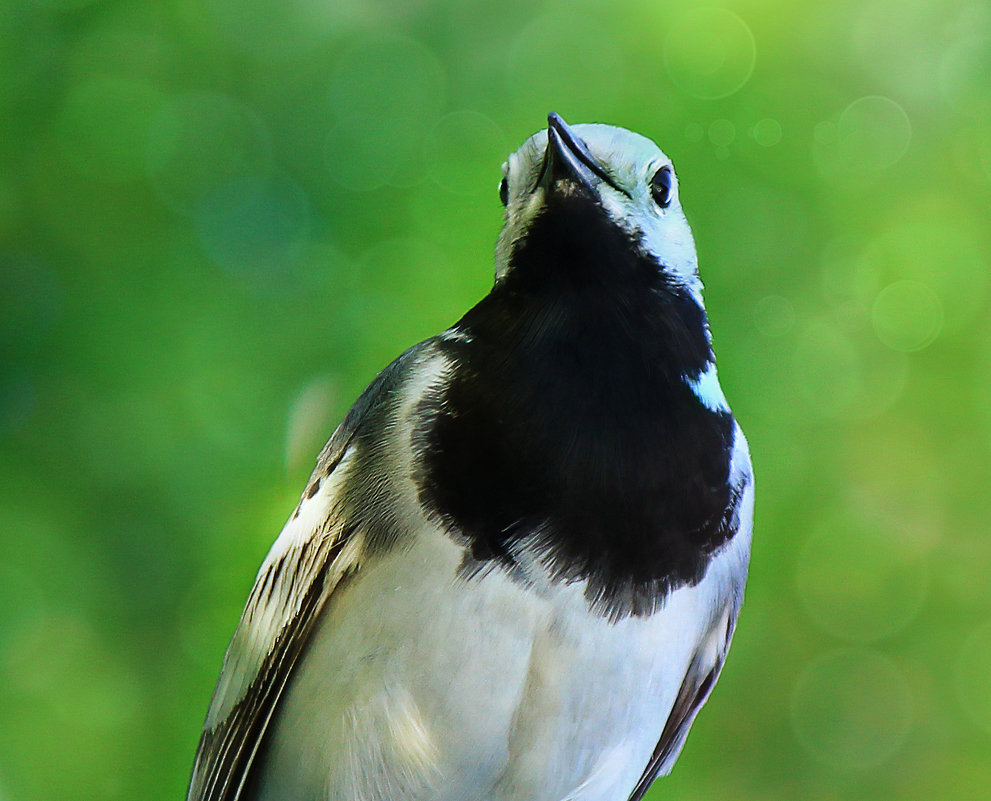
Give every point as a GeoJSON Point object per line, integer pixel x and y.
{"type": "Point", "coordinates": [517, 567]}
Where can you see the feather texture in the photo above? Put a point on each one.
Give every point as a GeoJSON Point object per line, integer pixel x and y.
{"type": "Point", "coordinates": [319, 545]}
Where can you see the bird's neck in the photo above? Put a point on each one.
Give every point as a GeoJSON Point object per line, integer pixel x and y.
{"type": "Point", "coordinates": [576, 420]}
{"type": "Point", "coordinates": [581, 291]}
{"type": "Point", "coordinates": [598, 369]}
{"type": "Point", "coordinates": [577, 407]}
{"type": "Point", "coordinates": [618, 326]}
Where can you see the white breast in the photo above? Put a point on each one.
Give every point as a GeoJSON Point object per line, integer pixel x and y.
{"type": "Point", "coordinates": [422, 684]}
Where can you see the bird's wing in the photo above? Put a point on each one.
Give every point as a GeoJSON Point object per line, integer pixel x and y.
{"type": "Point", "coordinates": [701, 676]}
{"type": "Point", "coordinates": [316, 549]}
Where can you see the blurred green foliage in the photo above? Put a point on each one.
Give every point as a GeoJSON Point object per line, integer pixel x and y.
{"type": "Point", "coordinates": [220, 218]}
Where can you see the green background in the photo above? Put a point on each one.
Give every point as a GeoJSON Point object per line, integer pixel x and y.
{"type": "Point", "coordinates": [220, 218]}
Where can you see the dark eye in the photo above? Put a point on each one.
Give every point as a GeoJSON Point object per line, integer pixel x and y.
{"type": "Point", "coordinates": [504, 191]}
{"type": "Point", "coordinates": [660, 187]}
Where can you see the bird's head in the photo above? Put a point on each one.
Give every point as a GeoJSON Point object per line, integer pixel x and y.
{"type": "Point", "coordinates": [590, 185]}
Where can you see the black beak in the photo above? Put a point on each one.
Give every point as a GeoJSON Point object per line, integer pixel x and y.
{"type": "Point", "coordinates": [567, 157]}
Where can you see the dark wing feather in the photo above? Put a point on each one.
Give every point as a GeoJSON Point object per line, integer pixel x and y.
{"type": "Point", "coordinates": [226, 752]}
{"type": "Point", "coordinates": [695, 688]}
{"type": "Point", "coordinates": [291, 590]}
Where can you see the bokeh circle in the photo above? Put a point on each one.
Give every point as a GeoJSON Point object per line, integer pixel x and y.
{"type": "Point", "coordinates": [857, 580]}
{"type": "Point", "coordinates": [709, 53]}
{"type": "Point", "coordinates": [852, 708]}
{"type": "Point", "coordinates": [907, 315]}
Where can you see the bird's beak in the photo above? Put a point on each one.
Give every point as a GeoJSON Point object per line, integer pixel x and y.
{"type": "Point", "coordinates": [567, 157]}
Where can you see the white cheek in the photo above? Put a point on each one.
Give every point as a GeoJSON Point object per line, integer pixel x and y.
{"type": "Point", "coordinates": [519, 216]}
{"type": "Point", "coordinates": [613, 203]}
{"type": "Point", "coordinates": [670, 239]}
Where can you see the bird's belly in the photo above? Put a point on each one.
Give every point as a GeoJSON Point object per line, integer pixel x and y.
{"type": "Point", "coordinates": [421, 683]}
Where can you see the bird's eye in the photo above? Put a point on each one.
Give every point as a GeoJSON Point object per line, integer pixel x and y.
{"type": "Point", "coordinates": [660, 187]}
{"type": "Point", "coordinates": [504, 191]}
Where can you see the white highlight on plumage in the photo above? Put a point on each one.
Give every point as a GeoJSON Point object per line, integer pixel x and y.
{"type": "Point", "coordinates": [706, 388]}
{"type": "Point", "coordinates": [426, 377]}
{"type": "Point", "coordinates": [608, 772]}
{"type": "Point", "coordinates": [740, 466]}
{"type": "Point", "coordinates": [388, 751]}
{"type": "Point", "coordinates": [410, 739]}
{"type": "Point", "coordinates": [454, 335]}
{"type": "Point", "coordinates": [313, 514]}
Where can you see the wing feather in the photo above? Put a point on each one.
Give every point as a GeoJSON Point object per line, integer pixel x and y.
{"type": "Point", "coordinates": [700, 678]}
{"type": "Point", "coordinates": [229, 749]}
{"type": "Point", "coordinates": [315, 551]}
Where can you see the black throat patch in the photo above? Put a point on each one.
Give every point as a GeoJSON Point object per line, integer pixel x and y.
{"type": "Point", "coordinates": [567, 430]}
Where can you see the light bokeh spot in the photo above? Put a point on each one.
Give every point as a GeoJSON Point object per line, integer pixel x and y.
{"type": "Point", "coordinates": [310, 421]}
{"type": "Point", "coordinates": [709, 52]}
{"type": "Point", "coordinates": [767, 132]}
{"type": "Point", "coordinates": [874, 132]}
{"type": "Point", "coordinates": [824, 132]}
{"type": "Point", "coordinates": [256, 229]}
{"type": "Point", "coordinates": [843, 374]}
{"type": "Point", "coordinates": [694, 132]}
{"type": "Point", "coordinates": [870, 135]}
{"type": "Point", "coordinates": [938, 244]}
{"type": "Point", "coordinates": [907, 315]}
{"type": "Point", "coordinates": [852, 708]}
{"type": "Point", "coordinates": [200, 141]}
{"type": "Point", "coordinates": [722, 132]}
{"type": "Point", "coordinates": [465, 150]}
{"type": "Point", "coordinates": [857, 579]}
{"type": "Point", "coordinates": [774, 315]}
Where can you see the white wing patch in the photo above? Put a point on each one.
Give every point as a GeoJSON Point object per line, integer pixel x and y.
{"type": "Point", "coordinates": [608, 778]}
{"type": "Point", "coordinates": [706, 388]}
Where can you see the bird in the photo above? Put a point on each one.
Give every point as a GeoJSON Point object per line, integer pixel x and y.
{"type": "Point", "coordinates": [516, 570]}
